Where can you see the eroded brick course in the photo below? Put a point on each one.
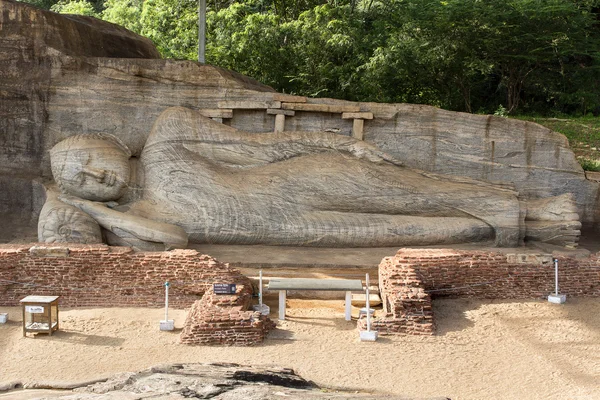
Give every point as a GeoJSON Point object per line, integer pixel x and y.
{"type": "Point", "coordinates": [408, 279]}
{"type": "Point", "coordinates": [103, 276]}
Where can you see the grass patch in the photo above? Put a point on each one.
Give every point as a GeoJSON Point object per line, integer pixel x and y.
{"type": "Point", "coordinates": [589, 165]}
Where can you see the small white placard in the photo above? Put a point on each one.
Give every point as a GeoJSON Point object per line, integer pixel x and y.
{"type": "Point", "coordinates": [34, 309]}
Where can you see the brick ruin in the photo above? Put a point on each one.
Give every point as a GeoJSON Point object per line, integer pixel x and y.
{"type": "Point", "coordinates": [409, 280]}
{"type": "Point", "coordinates": [103, 276]}
{"type": "Point", "coordinates": [406, 304]}
{"type": "Point", "coordinates": [224, 320]}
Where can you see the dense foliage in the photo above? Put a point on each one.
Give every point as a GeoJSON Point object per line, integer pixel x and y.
{"type": "Point", "coordinates": [533, 56]}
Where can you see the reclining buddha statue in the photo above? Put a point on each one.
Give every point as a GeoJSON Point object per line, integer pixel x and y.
{"type": "Point", "coordinates": [201, 181]}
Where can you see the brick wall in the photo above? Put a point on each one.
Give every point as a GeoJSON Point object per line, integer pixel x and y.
{"type": "Point", "coordinates": [103, 276]}
{"type": "Point", "coordinates": [408, 279]}
{"type": "Point", "coordinates": [480, 274]}
{"type": "Point", "coordinates": [406, 305]}
{"type": "Point", "coordinates": [223, 320]}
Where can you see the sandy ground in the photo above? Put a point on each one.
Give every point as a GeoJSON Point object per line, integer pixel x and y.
{"type": "Point", "coordinates": [483, 349]}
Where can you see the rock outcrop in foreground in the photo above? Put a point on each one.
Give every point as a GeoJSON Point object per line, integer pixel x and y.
{"type": "Point", "coordinates": [209, 381]}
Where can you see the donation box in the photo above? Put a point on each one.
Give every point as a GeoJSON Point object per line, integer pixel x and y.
{"type": "Point", "coordinates": [40, 314]}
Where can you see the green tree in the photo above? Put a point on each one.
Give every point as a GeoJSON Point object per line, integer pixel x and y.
{"type": "Point", "coordinates": [126, 13]}
{"type": "Point", "coordinates": [80, 7]}
{"type": "Point", "coordinates": [45, 4]}
{"type": "Point", "coordinates": [469, 55]}
{"type": "Point", "coordinates": [173, 27]}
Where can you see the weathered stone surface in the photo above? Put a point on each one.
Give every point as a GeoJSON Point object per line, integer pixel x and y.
{"type": "Point", "coordinates": [55, 84]}
{"type": "Point", "coordinates": [536, 160]}
{"type": "Point", "coordinates": [226, 186]}
{"type": "Point", "coordinates": [210, 381]}
{"type": "Point", "coordinates": [63, 75]}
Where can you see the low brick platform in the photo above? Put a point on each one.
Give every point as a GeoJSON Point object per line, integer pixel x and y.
{"type": "Point", "coordinates": [219, 319]}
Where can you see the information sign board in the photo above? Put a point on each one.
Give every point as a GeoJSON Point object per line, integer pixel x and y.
{"type": "Point", "coordinates": [224, 288]}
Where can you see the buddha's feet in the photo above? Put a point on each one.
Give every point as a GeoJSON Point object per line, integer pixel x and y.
{"type": "Point", "coordinates": [557, 208]}
{"type": "Point", "coordinates": [553, 220]}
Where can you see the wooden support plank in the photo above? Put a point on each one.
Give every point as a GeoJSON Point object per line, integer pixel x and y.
{"type": "Point", "coordinates": [216, 113]}
{"type": "Point", "coordinates": [249, 105]}
{"type": "Point", "coordinates": [357, 129]}
{"type": "Point", "coordinates": [277, 111]}
{"type": "Point", "coordinates": [348, 313]}
{"type": "Point", "coordinates": [288, 98]}
{"type": "Point", "coordinates": [359, 115]}
{"type": "Point", "coordinates": [282, 294]}
{"type": "Point", "coordinates": [328, 108]}
{"type": "Point", "coordinates": [279, 122]}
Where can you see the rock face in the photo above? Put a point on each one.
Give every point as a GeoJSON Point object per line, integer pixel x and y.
{"type": "Point", "coordinates": [61, 76]}
{"type": "Point", "coordinates": [207, 182]}
{"type": "Point", "coordinates": [209, 381]}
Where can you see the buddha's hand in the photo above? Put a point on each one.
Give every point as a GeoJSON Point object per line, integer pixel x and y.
{"type": "Point", "coordinates": [369, 152]}
{"type": "Point", "coordinates": [76, 201]}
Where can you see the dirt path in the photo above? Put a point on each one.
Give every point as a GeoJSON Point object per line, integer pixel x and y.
{"type": "Point", "coordinates": [484, 349]}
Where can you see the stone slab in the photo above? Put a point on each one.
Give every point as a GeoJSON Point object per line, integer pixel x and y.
{"type": "Point", "coordinates": [289, 98]}
{"type": "Point", "coordinates": [357, 115]}
{"type": "Point", "coordinates": [315, 284]}
{"type": "Point", "coordinates": [327, 108]}
{"type": "Point", "coordinates": [249, 104]}
{"type": "Point", "coordinates": [271, 257]}
{"type": "Point", "coordinates": [217, 113]}
{"type": "Point", "coordinates": [279, 111]}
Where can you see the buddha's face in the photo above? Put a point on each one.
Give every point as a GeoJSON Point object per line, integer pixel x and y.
{"type": "Point", "coordinates": [93, 169]}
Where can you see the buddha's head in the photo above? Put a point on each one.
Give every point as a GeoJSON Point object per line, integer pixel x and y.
{"type": "Point", "coordinates": [93, 166]}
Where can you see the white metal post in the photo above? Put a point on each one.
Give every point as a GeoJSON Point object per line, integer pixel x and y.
{"type": "Point", "coordinates": [556, 277]}
{"type": "Point", "coordinates": [556, 298]}
{"type": "Point", "coordinates": [368, 335]}
{"type": "Point", "coordinates": [167, 324]}
{"type": "Point", "coordinates": [260, 288]}
{"type": "Point", "coordinates": [167, 301]}
{"type": "Point", "coordinates": [368, 307]}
